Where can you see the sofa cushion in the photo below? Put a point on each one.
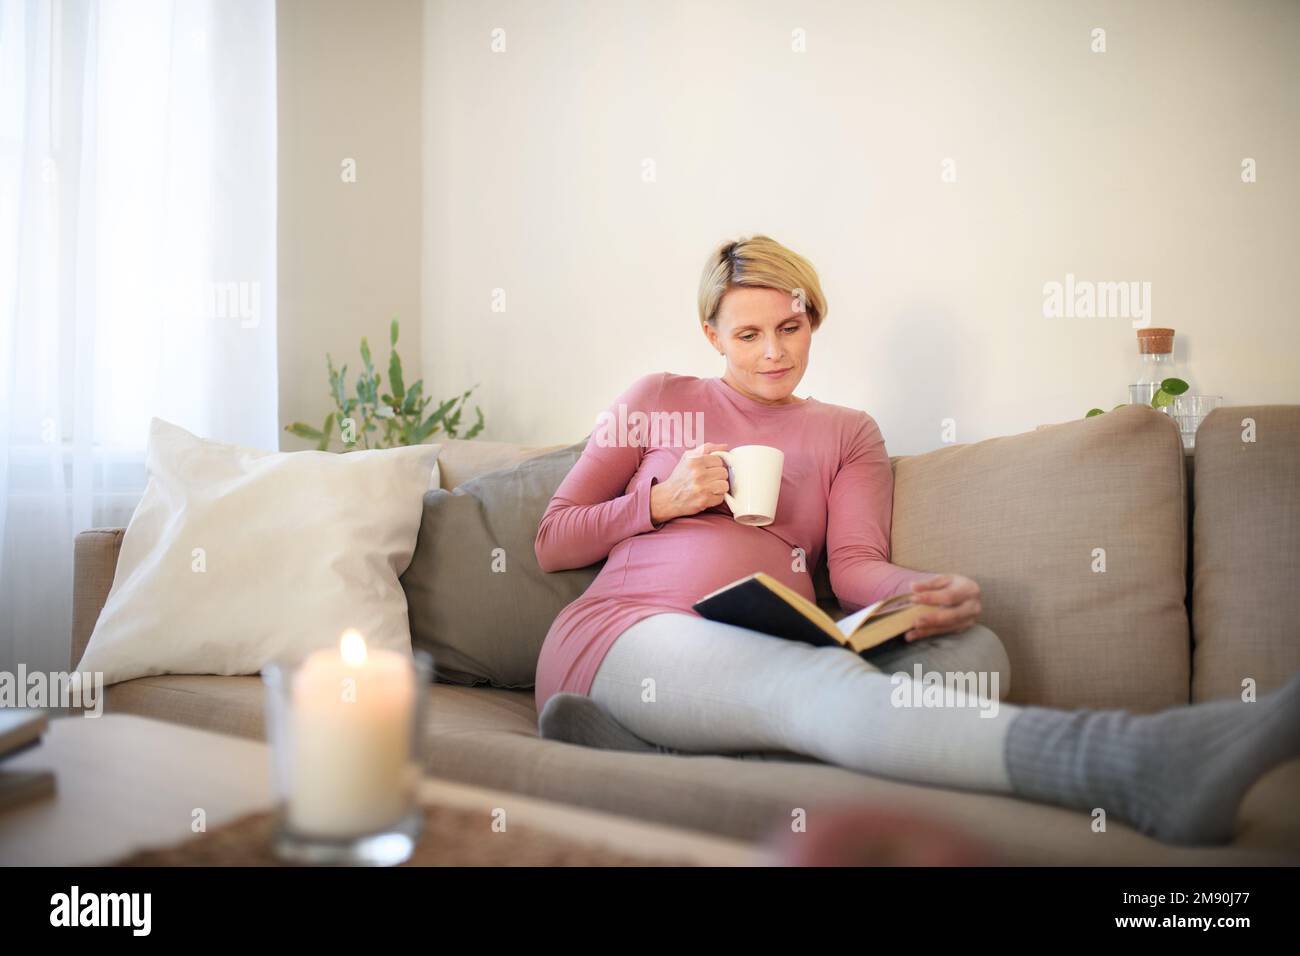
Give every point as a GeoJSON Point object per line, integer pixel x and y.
{"type": "Point", "coordinates": [236, 556]}
{"type": "Point", "coordinates": [236, 705]}
{"type": "Point", "coordinates": [1246, 550]}
{"type": "Point", "coordinates": [1031, 517]}
{"type": "Point", "coordinates": [462, 459]}
{"type": "Point", "coordinates": [226, 705]}
{"type": "Point", "coordinates": [478, 601]}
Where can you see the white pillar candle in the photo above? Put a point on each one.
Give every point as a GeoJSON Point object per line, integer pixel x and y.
{"type": "Point", "coordinates": [351, 711]}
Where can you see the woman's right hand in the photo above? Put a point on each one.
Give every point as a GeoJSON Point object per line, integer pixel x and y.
{"type": "Point", "coordinates": [698, 482]}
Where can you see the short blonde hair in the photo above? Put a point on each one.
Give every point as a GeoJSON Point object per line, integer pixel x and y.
{"type": "Point", "coordinates": [761, 262]}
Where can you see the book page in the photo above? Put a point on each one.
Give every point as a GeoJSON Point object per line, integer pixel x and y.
{"type": "Point", "coordinates": [852, 622]}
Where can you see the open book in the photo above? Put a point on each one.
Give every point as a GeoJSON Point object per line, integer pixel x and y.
{"type": "Point", "coordinates": [762, 603]}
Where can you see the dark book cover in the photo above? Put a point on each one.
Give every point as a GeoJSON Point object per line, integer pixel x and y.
{"type": "Point", "coordinates": [751, 605]}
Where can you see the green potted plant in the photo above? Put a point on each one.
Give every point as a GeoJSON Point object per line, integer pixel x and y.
{"type": "Point", "coordinates": [368, 419]}
{"type": "Point", "coordinates": [1164, 396]}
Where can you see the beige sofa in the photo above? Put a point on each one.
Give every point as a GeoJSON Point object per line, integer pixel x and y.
{"type": "Point", "coordinates": [1116, 573]}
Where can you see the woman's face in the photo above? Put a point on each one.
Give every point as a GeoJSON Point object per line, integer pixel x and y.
{"type": "Point", "coordinates": [761, 331]}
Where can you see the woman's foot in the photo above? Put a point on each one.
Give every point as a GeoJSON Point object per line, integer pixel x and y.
{"type": "Point", "coordinates": [1178, 775]}
{"type": "Point", "coordinates": [577, 719]}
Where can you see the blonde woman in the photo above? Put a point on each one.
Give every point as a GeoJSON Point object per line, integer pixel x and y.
{"type": "Point", "coordinates": [653, 508]}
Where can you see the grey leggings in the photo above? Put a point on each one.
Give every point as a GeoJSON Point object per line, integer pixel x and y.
{"type": "Point", "coordinates": [698, 686]}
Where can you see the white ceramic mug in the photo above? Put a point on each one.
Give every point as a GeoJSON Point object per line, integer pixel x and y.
{"type": "Point", "coordinates": [754, 473]}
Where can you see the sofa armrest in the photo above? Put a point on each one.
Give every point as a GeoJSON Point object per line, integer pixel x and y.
{"type": "Point", "coordinates": [94, 561]}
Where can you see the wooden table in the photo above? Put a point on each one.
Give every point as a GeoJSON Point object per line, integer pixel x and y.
{"type": "Point", "coordinates": [125, 783]}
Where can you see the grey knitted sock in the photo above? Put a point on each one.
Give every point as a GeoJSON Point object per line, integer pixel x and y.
{"type": "Point", "coordinates": [1177, 775]}
{"type": "Point", "coordinates": [577, 719]}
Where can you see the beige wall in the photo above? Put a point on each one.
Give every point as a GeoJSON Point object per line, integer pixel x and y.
{"type": "Point", "coordinates": [1114, 166]}
{"type": "Point", "coordinates": [349, 253]}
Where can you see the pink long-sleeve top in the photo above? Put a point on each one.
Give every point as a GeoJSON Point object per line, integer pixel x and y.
{"type": "Point", "coordinates": [836, 494]}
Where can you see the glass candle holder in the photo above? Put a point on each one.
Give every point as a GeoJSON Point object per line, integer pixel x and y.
{"type": "Point", "coordinates": [346, 731]}
{"type": "Point", "coordinates": [1189, 411]}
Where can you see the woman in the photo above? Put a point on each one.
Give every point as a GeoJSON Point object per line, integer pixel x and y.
{"type": "Point", "coordinates": [629, 665]}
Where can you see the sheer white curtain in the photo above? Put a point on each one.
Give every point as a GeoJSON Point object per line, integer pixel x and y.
{"type": "Point", "coordinates": [137, 268]}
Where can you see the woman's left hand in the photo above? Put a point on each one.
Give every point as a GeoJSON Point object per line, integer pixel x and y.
{"type": "Point", "coordinates": [957, 604]}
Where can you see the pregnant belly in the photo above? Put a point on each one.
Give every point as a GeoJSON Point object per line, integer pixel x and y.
{"type": "Point", "coordinates": [693, 556]}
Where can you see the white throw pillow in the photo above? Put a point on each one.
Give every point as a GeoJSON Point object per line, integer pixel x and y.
{"type": "Point", "coordinates": [236, 557]}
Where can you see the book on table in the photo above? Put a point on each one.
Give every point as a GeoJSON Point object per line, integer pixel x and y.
{"type": "Point", "coordinates": [21, 729]}
{"type": "Point", "coordinates": [762, 603]}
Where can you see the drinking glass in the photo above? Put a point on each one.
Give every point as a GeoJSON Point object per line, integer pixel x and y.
{"type": "Point", "coordinates": [1189, 411]}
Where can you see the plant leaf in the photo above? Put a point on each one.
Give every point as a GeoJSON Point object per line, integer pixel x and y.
{"type": "Point", "coordinates": [478, 426]}
{"type": "Point", "coordinates": [392, 333]}
{"type": "Point", "coordinates": [1095, 411]}
{"type": "Point", "coordinates": [395, 373]}
{"type": "Point", "coordinates": [340, 390]}
{"type": "Point", "coordinates": [441, 413]}
{"type": "Point", "coordinates": [1173, 386]}
{"type": "Point", "coordinates": [303, 430]}
{"type": "Point", "coordinates": [412, 400]}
